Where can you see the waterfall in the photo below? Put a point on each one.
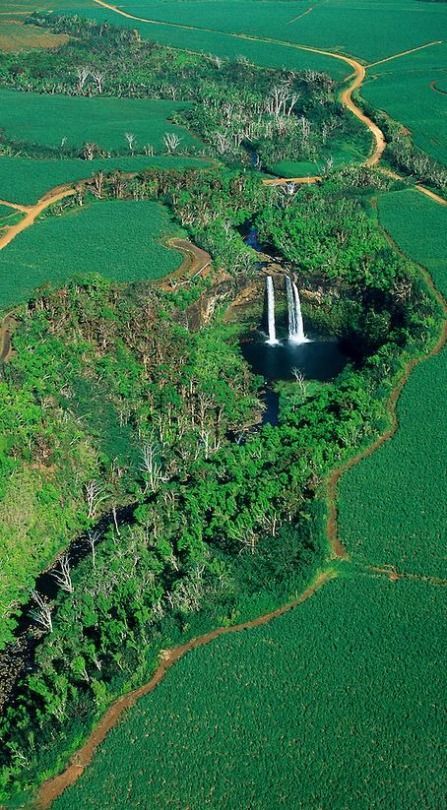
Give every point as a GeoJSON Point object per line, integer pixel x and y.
{"type": "Point", "coordinates": [296, 327]}
{"type": "Point", "coordinates": [271, 312]}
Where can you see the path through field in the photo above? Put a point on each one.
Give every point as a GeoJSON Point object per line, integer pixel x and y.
{"type": "Point", "coordinates": [31, 213]}
{"type": "Point", "coordinates": [53, 788]}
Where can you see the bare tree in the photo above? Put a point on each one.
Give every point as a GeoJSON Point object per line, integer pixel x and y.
{"type": "Point", "coordinates": [148, 149]}
{"type": "Point", "coordinates": [171, 141]}
{"type": "Point", "coordinates": [42, 612]}
{"type": "Point", "coordinates": [93, 538]}
{"type": "Point", "coordinates": [82, 73]}
{"type": "Point", "coordinates": [98, 78]}
{"type": "Point", "coordinates": [89, 150]}
{"type": "Point", "coordinates": [151, 468]}
{"type": "Point", "coordinates": [62, 576]}
{"type": "Point", "coordinates": [216, 60]}
{"type": "Point", "coordinates": [93, 495]}
{"type": "Point", "coordinates": [222, 143]}
{"type": "Point", "coordinates": [301, 380]}
{"type": "Point", "coordinates": [98, 184]}
{"type": "Point", "coordinates": [131, 141]}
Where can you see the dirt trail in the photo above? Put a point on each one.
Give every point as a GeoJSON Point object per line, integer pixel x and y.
{"type": "Point", "coordinates": [195, 262]}
{"type": "Point", "coordinates": [332, 524]}
{"type": "Point", "coordinates": [437, 89]}
{"type": "Point", "coordinates": [16, 206]}
{"type": "Point", "coordinates": [31, 213]}
{"type": "Point", "coordinates": [52, 788]}
{"type": "Point", "coordinates": [304, 14]}
{"type": "Point", "coordinates": [395, 576]}
{"type": "Point", "coordinates": [405, 53]}
{"type": "Point", "coordinates": [432, 194]}
{"type": "Point", "coordinates": [345, 98]}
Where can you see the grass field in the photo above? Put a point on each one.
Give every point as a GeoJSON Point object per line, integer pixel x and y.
{"type": "Point", "coordinates": [393, 505]}
{"type": "Point", "coordinates": [403, 88]}
{"type": "Point", "coordinates": [368, 29]}
{"type": "Point", "coordinates": [23, 180]}
{"type": "Point", "coordinates": [15, 36]}
{"type": "Point", "coordinates": [25, 7]}
{"type": "Point", "coordinates": [264, 54]}
{"type": "Point", "coordinates": [119, 239]}
{"type": "Point", "coordinates": [47, 119]}
{"type": "Point", "coordinates": [323, 709]}
{"type": "Point", "coordinates": [343, 153]}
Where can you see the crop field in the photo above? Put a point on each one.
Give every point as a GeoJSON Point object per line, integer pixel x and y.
{"type": "Point", "coordinates": [404, 89]}
{"type": "Point", "coordinates": [369, 29]}
{"type": "Point", "coordinates": [98, 238]}
{"type": "Point", "coordinates": [47, 120]}
{"type": "Point", "coordinates": [15, 36]}
{"type": "Point", "coordinates": [24, 181]}
{"type": "Point", "coordinates": [323, 708]}
{"type": "Point", "coordinates": [25, 7]}
{"type": "Point", "coordinates": [393, 505]}
{"type": "Point", "coordinates": [342, 153]}
{"type": "Point", "coordinates": [265, 54]}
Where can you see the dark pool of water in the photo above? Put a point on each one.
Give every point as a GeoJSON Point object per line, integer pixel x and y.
{"type": "Point", "coordinates": [319, 359]}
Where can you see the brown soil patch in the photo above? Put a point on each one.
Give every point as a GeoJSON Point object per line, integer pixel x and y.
{"type": "Point", "coordinates": [195, 262]}
{"type": "Point", "coordinates": [52, 788]}
{"type": "Point", "coordinates": [6, 331]}
{"type": "Point", "coordinates": [31, 213]}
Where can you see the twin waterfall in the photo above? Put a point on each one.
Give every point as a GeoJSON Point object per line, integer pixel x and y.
{"type": "Point", "coordinates": [296, 327]}
{"type": "Point", "coordinates": [271, 312]}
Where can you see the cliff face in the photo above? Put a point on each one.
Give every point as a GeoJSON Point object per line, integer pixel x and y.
{"type": "Point", "coordinates": [200, 313]}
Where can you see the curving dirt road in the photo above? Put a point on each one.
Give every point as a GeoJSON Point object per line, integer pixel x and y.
{"type": "Point", "coordinates": [52, 788]}
{"type": "Point", "coordinates": [346, 97]}
{"type": "Point", "coordinates": [31, 213]}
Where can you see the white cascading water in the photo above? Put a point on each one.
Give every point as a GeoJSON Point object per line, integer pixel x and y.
{"type": "Point", "coordinates": [271, 312]}
{"type": "Point", "coordinates": [296, 326]}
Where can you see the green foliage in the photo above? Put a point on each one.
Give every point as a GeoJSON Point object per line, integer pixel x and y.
{"type": "Point", "coordinates": [392, 504]}
{"type": "Point", "coordinates": [97, 238]}
{"type": "Point", "coordinates": [282, 55]}
{"type": "Point", "coordinates": [65, 123]}
{"type": "Point", "coordinates": [233, 106]}
{"type": "Point", "coordinates": [404, 89]}
{"type": "Point", "coordinates": [321, 708]}
{"type": "Point", "coordinates": [375, 30]}
{"type": "Point", "coordinates": [23, 180]}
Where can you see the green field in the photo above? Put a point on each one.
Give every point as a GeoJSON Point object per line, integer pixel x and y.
{"type": "Point", "coordinates": [46, 120]}
{"type": "Point", "coordinates": [369, 29]}
{"type": "Point", "coordinates": [403, 88]}
{"type": "Point", "coordinates": [323, 709]}
{"type": "Point", "coordinates": [119, 239]}
{"type": "Point", "coordinates": [265, 54]}
{"type": "Point", "coordinates": [393, 505]}
{"type": "Point", "coordinates": [23, 180]}
{"type": "Point", "coordinates": [15, 36]}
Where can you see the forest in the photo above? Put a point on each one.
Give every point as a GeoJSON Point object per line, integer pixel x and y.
{"type": "Point", "coordinates": [147, 493]}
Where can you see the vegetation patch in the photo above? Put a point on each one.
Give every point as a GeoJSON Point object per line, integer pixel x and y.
{"type": "Point", "coordinates": [392, 506]}
{"type": "Point", "coordinates": [261, 718]}
{"type": "Point", "coordinates": [23, 180]}
{"type": "Point", "coordinates": [98, 238]}
{"type": "Point", "coordinates": [65, 123]}
{"type": "Point", "coordinates": [403, 88]}
{"type": "Point", "coordinates": [15, 36]}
